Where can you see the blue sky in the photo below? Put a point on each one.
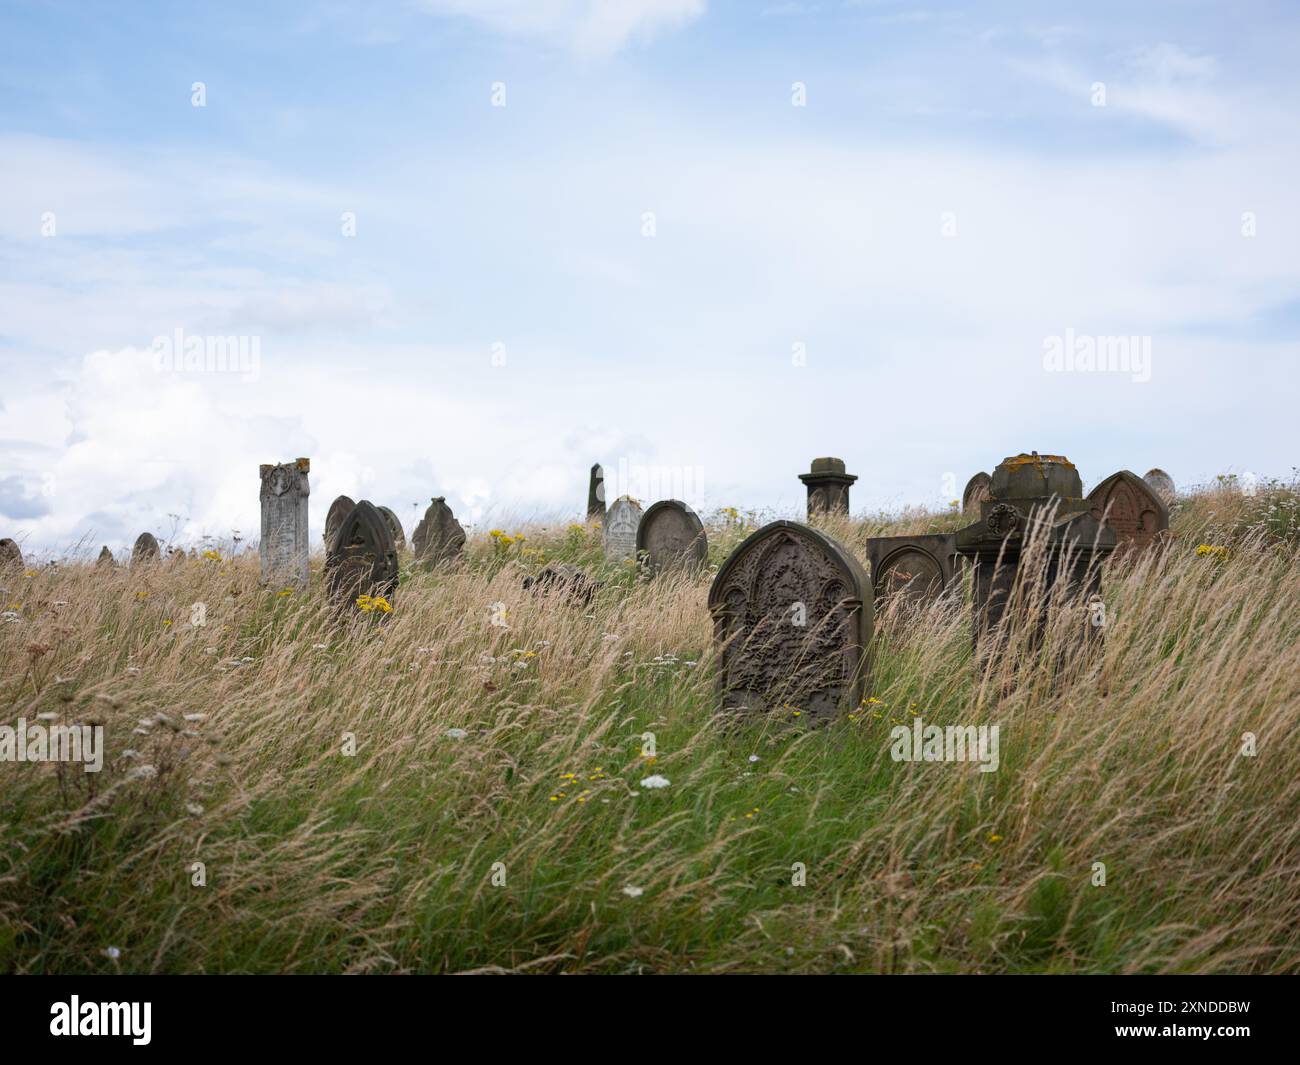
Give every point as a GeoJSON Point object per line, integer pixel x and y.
{"type": "Point", "coordinates": [876, 274]}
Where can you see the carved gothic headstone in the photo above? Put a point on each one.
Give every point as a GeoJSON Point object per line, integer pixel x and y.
{"type": "Point", "coordinates": [146, 549]}
{"type": "Point", "coordinates": [283, 546]}
{"type": "Point", "coordinates": [565, 582]}
{"type": "Point", "coordinates": [828, 486]}
{"type": "Point", "coordinates": [621, 521]}
{"type": "Point", "coordinates": [918, 568]}
{"type": "Point", "coordinates": [596, 494]}
{"type": "Point", "coordinates": [339, 509]}
{"type": "Point", "coordinates": [11, 555]}
{"type": "Point", "coordinates": [670, 535]}
{"type": "Point", "coordinates": [1126, 503]}
{"type": "Point", "coordinates": [362, 559]}
{"type": "Point", "coordinates": [792, 618]}
{"type": "Point", "coordinates": [439, 536]}
{"type": "Point", "coordinates": [1163, 485]}
{"type": "Point", "coordinates": [394, 527]}
{"type": "Point", "coordinates": [977, 491]}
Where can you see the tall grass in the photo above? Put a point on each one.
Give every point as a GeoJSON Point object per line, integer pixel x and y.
{"type": "Point", "coordinates": [486, 753]}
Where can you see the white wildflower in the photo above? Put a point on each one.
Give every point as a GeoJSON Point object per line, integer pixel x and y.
{"type": "Point", "coordinates": [632, 891]}
{"type": "Point", "coordinates": [655, 781]}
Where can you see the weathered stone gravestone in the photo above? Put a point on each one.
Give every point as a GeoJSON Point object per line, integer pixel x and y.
{"type": "Point", "coordinates": [11, 555]}
{"type": "Point", "coordinates": [828, 486]}
{"type": "Point", "coordinates": [283, 546]}
{"type": "Point", "coordinates": [105, 558]}
{"type": "Point", "coordinates": [621, 521]}
{"type": "Point", "coordinates": [792, 618]}
{"type": "Point", "coordinates": [917, 568]}
{"type": "Point", "coordinates": [146, 549]}
{"type": "Point", "coordinates": [1033, 496]}
{"type": "Point", "coordinates": [362, 559]}
{"type": "Point", "coordinates": [394, 527]}
{"type": "Point", "coordinates": [564, 582]}
{"type": "Point", "coordinates": [1163, 486]}
{"type": "Point", "coordinates": [339, 509]}
{"type": "Point", "coordinates": [439, 537]}
{"type": "Point", "coordinates": [669, 536]}
{"type": "Point", "coordinates": [1126, 503]}
{"type": "Point", "coordinates": [596, 494]}
{"type": "Point", "coordinates": [977, 491]}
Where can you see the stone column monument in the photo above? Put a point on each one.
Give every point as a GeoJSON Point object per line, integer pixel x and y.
{"type": "Point", "coordinates": [596, 494]}
{"type": "Point", "coordinates": [283, 547]}
{"type": "Point", "coordinates": [828, 486]}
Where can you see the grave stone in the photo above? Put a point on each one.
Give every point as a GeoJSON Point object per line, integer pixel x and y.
{"type": "Point", "coordinates": [918, 568]}
{"type": "Point", "coordinates": [362, 559]}
{"type": "Point", "coordinates": [828, 486]}
{"type": "Point", "coordinates": [146, 549]}
{"type": "Point", "coordinates": [621, 521]}
{"type": "Point", "coordinates": [1126, 503]}
{"type": "Point", "coordinates": [977, 490]}
{"type": "Point", "coordinates": [596, 494]}
{"type": "Point", "coordinates": [283, 545]}
{"type": "Point", "coordinates": [11, 555]}
{"type": "Point", "coordinates": [394, 527]}
{"type": "Point", "coordinates": [439, 537]}
{"type": "Point", "coordinates": [565, 582]}
{"type": "Point", "coordinates": [1163, 486]}
{"type": "Point", "coordinates": [670, 535]}
{"type": "Point", "coordinates": [105, 558]}
{"type": "Point", "coordinates": [339, 509]}
{"type": "Point", "coordinates": [792, 617]}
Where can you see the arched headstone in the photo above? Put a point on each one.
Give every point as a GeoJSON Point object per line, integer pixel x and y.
{"type": "Point", "coordinates": [1126, 503]}
{"type": "Point", "coordinates": [339, 509]}
{"type": "Point", "coordinates": [792, 616]}
{"type": "Point", "coordinates": [362, 560]}
{"type": "Point", "coordinates": [146, 549]}
{"type": "Point", "coordinates": [670, 535]}
{"type": "Point", "coordinates": [11, 555]}
{"type": "Point", "coordinates": [916, 567]}
{"type": "Point", "coordinates": [1163, 485]}
{"type": "Point", "coordinates": [621, 521]}
{"type": "Point", "coordinates": [394, 527]}
{"type": "Point", "coordinates": [977, 492]}
{"type": "Point", "coordinates": [439, 536]}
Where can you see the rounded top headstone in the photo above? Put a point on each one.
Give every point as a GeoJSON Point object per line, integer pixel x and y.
{"type": "Point", "coordinates": [671, 534]}
{"type": "Point", "coordinates": [1162, 484]}
{"type": "Point", "coordinates": [1036, 476]}
{"type": "Point", "coordinates": [10, 553]}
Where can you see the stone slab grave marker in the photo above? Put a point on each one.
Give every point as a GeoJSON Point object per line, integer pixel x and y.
{"type": "Point", "coordinates": [11, 555]}
{"type": "Point", "coordinates": [671, 536]}
{"type": "Point", "coordinates": [439, 537]}
{"type": "Point", "coordinates": [1163, 485]}
{"type": "Point", "coordinates": [621, 521]}
{"type": "Point", "coordinates": [146, 549]}
{"type": "Point", "coordinates": [283, 545]}
{"type": "Point", "coordinates": [362, 559]}
{"type": "Point", "coordinates": [918, 567]}
{"type": "Point", "coordinates": [394, 527]}
{"type": "Point", "coordinates": [106, 558]}
{"type": "Point", "coordinates": [596, 494]}
{"type": "Point", "coordinates": [792, 618]}
{"type": "Point", "coordinates": [977, 491]}
{"type": "Point", "coordinates": [1126, 503]}
{"type": "Point", "coordinates": [564, 581]}
{"type": "Point", "coordinates": [339, 509]}
{"type": "Point", "coordinates": [828, 486]}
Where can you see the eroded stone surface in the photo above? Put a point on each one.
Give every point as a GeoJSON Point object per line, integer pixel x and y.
{"type": "Point", "coordinates": [918, 568]}
{"type": "Point", "coordinates": [670, 536]}
{"type": "Point", "coordinates": [1163, 485]}
{"type": "Point", "coordinates": [394, 527]}
{"type": "Point", "coordinates": [283, 544]}
{"type": "Point", "coordinates": [439, 537]}
{"type": "Point", "coordinates": [146, 549]}
{"type": "Point", "coordinates": [621, 521]}
{"type": "Point", "coordinates": [828, 486]}
{"type": "Point", "coordinates": [1126, 503]}
{"type": "Point", "coordinates": [596, 494]}
{"type": "Point", "coordinates": [11, 555]}
{"type": "Point", "coordinates": [362, 560]}
{"type": "Point", "coordinates": [977, 491]}
{"type": "Point", "coordinates": [339, 509]}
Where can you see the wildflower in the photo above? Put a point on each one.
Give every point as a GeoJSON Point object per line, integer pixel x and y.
{"type": "Point", "coordinates": [112, 953]}
{"type": "Point", "coordinates": [212, 556]}
{"type": "Point", "coordinates": [655, 781]}
{"type": "Point", "coordinates": [287, 591]}
{"type": "Point", "coordinates": [320, 647]}
{"type": "Point", "coordinates": [994, 838]}
{"type": "Point", "coordinates": [753, 758]}
{"type": "Point", "coordinates": [1208, 551]}
{"type": "Point", "coordinates": [195, 717]}
{"type": "Point", "coordinates": [456, 733]}
{"type": "Point", "coordinates": [383, 605]}
{"type": "Point", "coordinates": [194, 808]}
{"type": "Point", "coordinates": [632, 891]}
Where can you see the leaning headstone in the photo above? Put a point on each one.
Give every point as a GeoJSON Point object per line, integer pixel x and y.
{"type": "Point", "coordinates": [11, 555]}
{"type": "Point", "coordinates": [977, 491]}
{"type": "Point", "coordinates": [339, 509]}
{"type": "Point", "coordinates": [362, 559]}
{"type": "Point", "coordinates": [621, 521]}
{"type": "Point", "coordinates": [105, 558]}
{"type": "Point", "coordinates": [146, 549]}
{"type": "Point", "coordinates": [439, 537]}
{"type": "Point", "coordinates": [792, 618]}
{"type": "Point", "coordinates": [394, 527]}
{"type": "Point", "coordinates": [828, 486]}
{"type": "Point", "coordinates": [670, 535]}
{"type": "Point", "coordinates": [283, 546]}
{"type": "Point", "coordinates": [565, 582]}
{"type": "Point", "coordinates": [1163, 485]}
{"type": "Point", "coordinates": [1126, 503]}
{"type": "Point", "coordinates": [917, 568]}
{"type": "Point", "coordinates": [596, 494]}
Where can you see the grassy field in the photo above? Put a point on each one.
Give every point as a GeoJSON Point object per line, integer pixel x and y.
{"type": "Point", "coordinates": [486, 754]}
